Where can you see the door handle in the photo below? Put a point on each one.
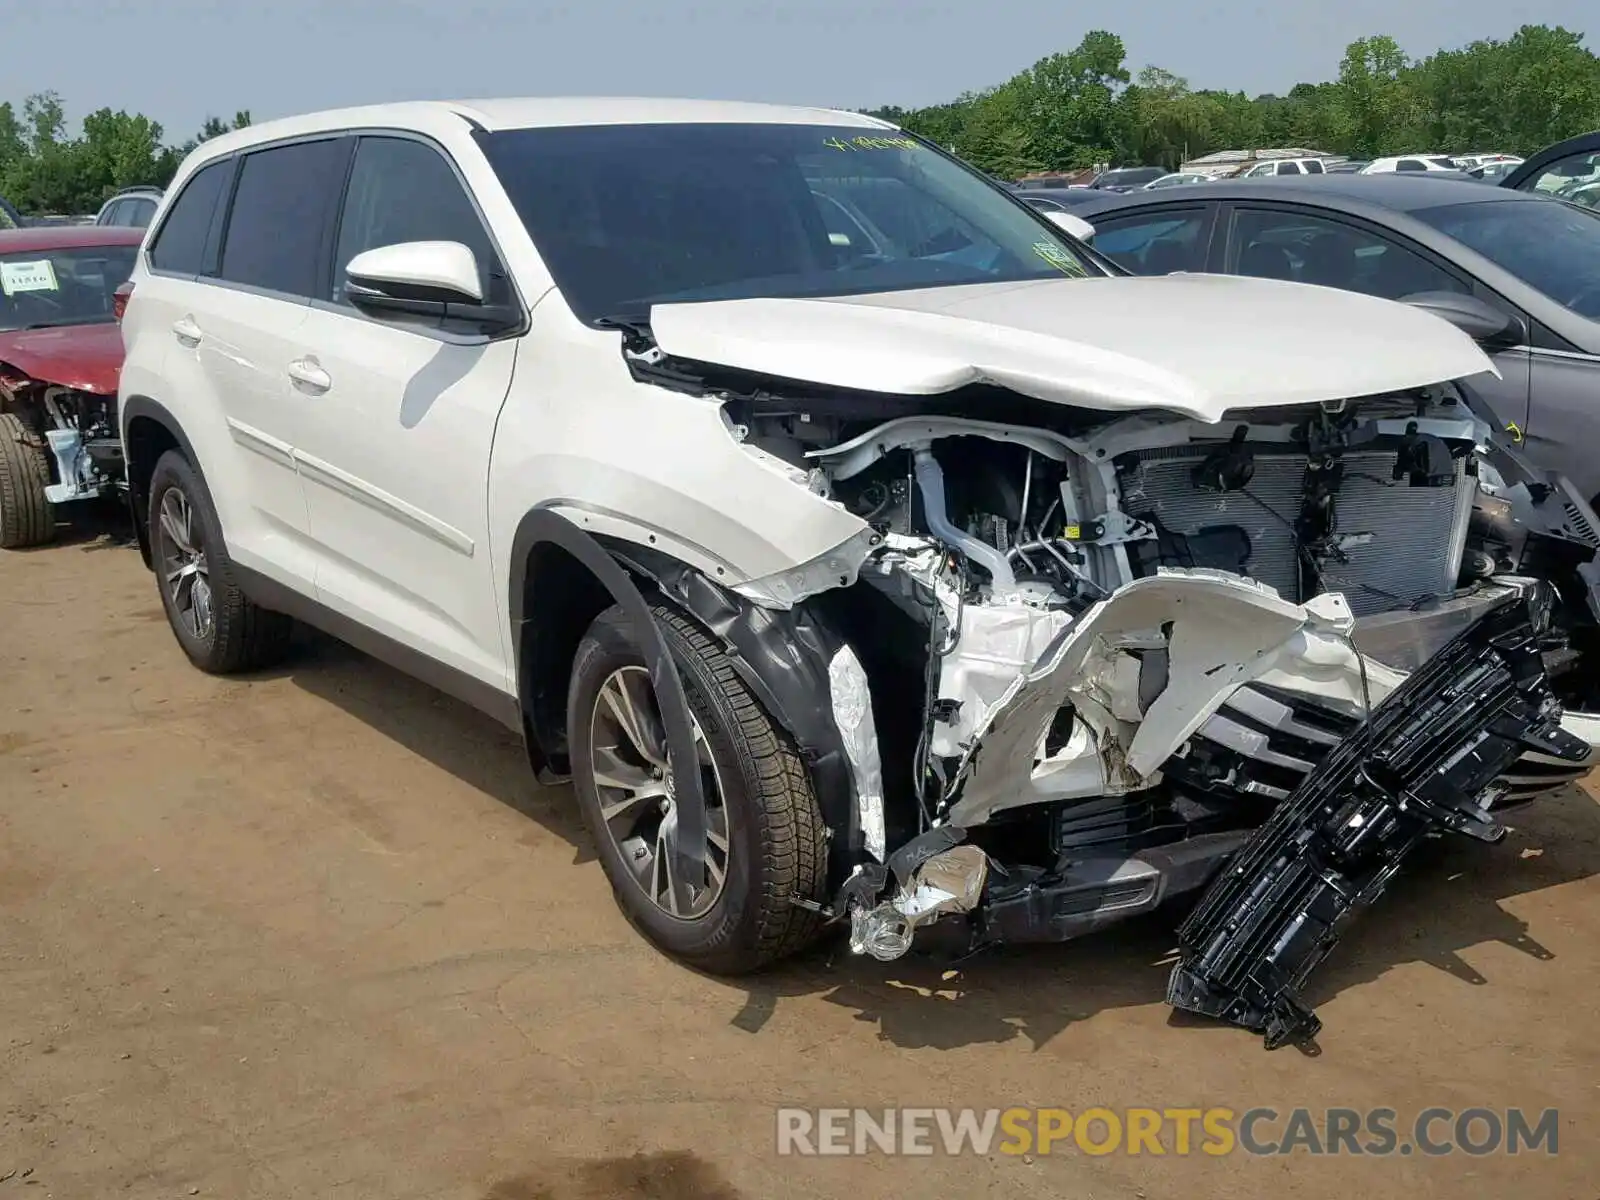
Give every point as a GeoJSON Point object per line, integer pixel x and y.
{"type": "Point", "coordinates": [308, 374]}
{"type": "Point", "coordinates": [187, 331]}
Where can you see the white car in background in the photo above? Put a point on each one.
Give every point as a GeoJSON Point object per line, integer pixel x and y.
{"type": "Point", "coordinates": [1410, 162]}
{"type": "Point", "coordinates": [798, 493]}
{"type": "Point", "coordinates": [1284, 166]}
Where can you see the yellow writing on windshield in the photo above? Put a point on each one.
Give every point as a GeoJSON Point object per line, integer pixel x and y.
{"type": "Point", "coordinates": [871, 143]}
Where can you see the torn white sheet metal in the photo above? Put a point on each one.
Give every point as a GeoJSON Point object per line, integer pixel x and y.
{"type": "Point", "coordinates": [1224, 631]}
{"type": "Point", "coordinates": [1200, 344]}
{"type": "Point", "coordinates": [998, 643]}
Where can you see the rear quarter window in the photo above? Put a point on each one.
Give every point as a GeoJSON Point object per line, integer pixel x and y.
{"type": "Point", "coordinates": [180, 243]}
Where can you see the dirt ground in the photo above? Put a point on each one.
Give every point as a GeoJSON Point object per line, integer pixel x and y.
{"type": "Point", "coordinates": [318, 934]}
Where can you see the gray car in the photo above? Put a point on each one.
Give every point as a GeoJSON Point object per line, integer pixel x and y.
{"type": "Point", "coordinates": [1520, 272]}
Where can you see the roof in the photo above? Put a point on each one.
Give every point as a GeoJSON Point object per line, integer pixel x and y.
{"type": "Point", "coordinates": [536, 112]}
{"type": "Point", "coordinates": [1239, 156]}
{"type": "Point", "coordinates": [1402, 192]}
{"type": "Point", "coordinates": [67, 237]}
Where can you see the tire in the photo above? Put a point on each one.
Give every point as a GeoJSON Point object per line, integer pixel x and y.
{"type": "Point", "coordinates": [26, 517]}
{"type": "Point", "coordinates": [776, 842]}
{"type": "Point", "coordinates": [233, 633]}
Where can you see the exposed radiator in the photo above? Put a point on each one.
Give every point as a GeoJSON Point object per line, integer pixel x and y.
{"type": "Point", "coordinates": [1417, 533]}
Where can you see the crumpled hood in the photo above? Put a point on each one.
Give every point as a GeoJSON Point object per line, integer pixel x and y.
{"type": "Point", "coordinates": [1193, 344]}
{"type": "Point", "coordinates": [85, 357]}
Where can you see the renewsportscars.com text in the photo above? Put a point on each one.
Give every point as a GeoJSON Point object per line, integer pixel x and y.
{"type": "Point", "coordinates": [1378, 1132]}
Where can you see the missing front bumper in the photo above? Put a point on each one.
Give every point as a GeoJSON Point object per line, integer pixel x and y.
{"type": "Point", "coordinates": [1427, 759]}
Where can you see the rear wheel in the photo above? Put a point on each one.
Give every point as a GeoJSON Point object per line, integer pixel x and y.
{"type": "Point", "coordinates": [219, 627]}
{"type": "Point", "coordinates": [26, 517]}
{"type": "Point", "coordinates": [766, 843]}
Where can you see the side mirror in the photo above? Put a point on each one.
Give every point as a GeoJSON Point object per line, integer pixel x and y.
{"type": "Point", "coordinates": [416, 273]}
{"type": "Point", "coordinates": [1076, 226]}
{"type": "Point", "coordinates": [1485, 324]}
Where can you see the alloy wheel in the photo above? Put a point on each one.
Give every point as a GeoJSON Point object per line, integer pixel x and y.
{"type": "Point", "coordinates": [638, 800]}
{"type": "Point", "coordinates": [184, 570]}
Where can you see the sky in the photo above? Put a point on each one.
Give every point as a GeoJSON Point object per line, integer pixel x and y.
{"type": "Point", "coordinates": [179, 61]}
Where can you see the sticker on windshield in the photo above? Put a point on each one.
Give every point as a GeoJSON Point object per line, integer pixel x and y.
{"type": "Point", "coordinates": [871, 143]}
{"type": "Point", "coordinates": [18, 277]}
{"type": "Point", "coordinates": [1058, 258]}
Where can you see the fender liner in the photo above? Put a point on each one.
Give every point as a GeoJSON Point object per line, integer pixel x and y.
{"type": "Point", "coordinates": [543, 525]}
{"type": "Point", "coordinates": [138, 497]}
{"type": "Point", "coordinates": [782, 657]}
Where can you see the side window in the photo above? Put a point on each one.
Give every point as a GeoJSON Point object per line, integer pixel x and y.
{"type": "Point", "coordinates": [402, 190]}
{"type": "Point", "coordinates": [1411, 164]}
{"type": "Point", "coordinates": [1155, 243]}
{"type": "Point", "coordinates": [1314, 167]}
{"type": "Point", "coordinates": [281, 208]}
{"type": "Point", "coordinates": [113, 213]}
{"type": "Point", "coordinates": [180, 243]}
{"type": "Point", "coordinates": [1303, 248]}
{"type": "Point", "coordinates": [140, 213]}
{"type": "Point", "coordinates": [1566, 175]}
{"type": "Point", "coordinates": [1289, 168]}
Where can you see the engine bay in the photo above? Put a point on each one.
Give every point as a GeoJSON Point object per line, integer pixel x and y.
{"type": "Point", "coordinates": [993, 538]}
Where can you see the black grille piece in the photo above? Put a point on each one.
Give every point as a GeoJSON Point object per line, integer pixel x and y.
{"type": "Point", "coordinates": [1425, 760]}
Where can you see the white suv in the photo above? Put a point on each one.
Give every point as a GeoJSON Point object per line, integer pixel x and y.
{"type": "Point", "coordinates": [863, 547]}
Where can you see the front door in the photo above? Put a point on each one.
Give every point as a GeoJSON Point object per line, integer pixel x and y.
{"type": "Point", "coordinates": [400, 419]}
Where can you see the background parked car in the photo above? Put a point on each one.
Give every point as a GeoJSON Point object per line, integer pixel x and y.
{"type": "Point", "coordinates": [1409, 162]}
{"type": "Point", "coordinates": [1492, 172]}
{"type": "Point", "coordinates": [1349, 166]}
{"type": "Point", "coordinates": [60, 359]}
{"type": "Point", "coordinates": [1126, 179]}
{"type": "Point", "coordinates": [1519, 272]}
{"type": "Point", "coordinates": [1056, 199]}
{"type": "Point", "coordinates": [133, 207]}
{"type": "Point", "coordinates": [1284, 166]}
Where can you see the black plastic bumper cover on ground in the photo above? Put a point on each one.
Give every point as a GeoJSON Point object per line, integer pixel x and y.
{"type": "Point", "coordinates": [1425, 760]}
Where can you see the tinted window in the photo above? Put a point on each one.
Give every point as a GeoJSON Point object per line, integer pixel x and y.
{"type": "Point", "coordinates": [1154, 243]}
{"type": "Point", "coordinates": [1566, 175]}
{"type": "Point", "coordinates": [281, 208]}
{"type": "Point", "coordinates": [180, 243]}
{"type": "Point", "coordinates": [1289, 168]}
{"type": "Point", "coordinates": [46, 288]}
{"type": "Point", "coordinates": [1313, 167]}
{"type": "Point", "coordinates": [1411, 164]}
{"type": "Point", "coordinates": [1552, 247]}
{"type": "Point", "coordinates": [139, 213]}
{"type": "Point", "coordinates": [113, 215]}
{"type": "Point", "coordinates": [627, 216]}
{"type": "Point", "coordinates": [404, 191]}
{"type": "Point", "coordinates": [1310, 249]}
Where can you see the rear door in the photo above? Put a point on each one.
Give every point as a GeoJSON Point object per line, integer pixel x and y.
{"type": "Point", "coordinates": [1319, 246]}
{"type": "Point", "coordinates": [397, 419]}
{"type": "Point", "coordinates": [243, 328]}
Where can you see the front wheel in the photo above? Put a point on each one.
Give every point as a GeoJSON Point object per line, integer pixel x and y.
{"type": "Point", "coordinates": [766, 842]}
{"type": "Point", "coordinates": [219, 627]}
{"type": "Point", "coordinates": [26, 515]}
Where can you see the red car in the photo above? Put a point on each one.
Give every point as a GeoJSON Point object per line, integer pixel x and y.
{"type": "Point", "coordinates": [60, 357]}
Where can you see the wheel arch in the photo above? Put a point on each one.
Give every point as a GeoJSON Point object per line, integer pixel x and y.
{"type": "Point", "coordinates": [562, 577]}
{"type": "Point", "coordinates": [148, 432]}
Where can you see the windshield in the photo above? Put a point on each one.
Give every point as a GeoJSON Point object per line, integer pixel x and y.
{"type": "Point", "coordinates": [627, 216]}
{"type": "Point", "coordinates": [1551, 246]}
{"type": "Point", "coordinates": [44, 288]}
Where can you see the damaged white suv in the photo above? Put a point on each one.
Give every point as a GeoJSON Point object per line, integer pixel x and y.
{"type": "Point", "coordinates": [864, 548]}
